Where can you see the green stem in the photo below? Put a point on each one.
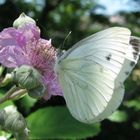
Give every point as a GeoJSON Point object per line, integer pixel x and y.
{"type": "Point", "coordinates": [18, 93]}
{"type": "Point", "coordinates": [8, 94]}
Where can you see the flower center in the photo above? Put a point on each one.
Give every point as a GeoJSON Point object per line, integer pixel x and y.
{"type": "Point", "coordinates": [42, 56]}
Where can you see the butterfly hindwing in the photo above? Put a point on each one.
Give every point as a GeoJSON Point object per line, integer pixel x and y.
{"type": "Point", "coordinates": [85, 93]}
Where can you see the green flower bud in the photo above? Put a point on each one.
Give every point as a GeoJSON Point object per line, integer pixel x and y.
{"type": "Point", "coordinates": [15, 122]}
{"type": "Point", "coordinates": [37, 92]}
{"type": "Point", "coordinates": [27, 77]}
{"type": "Point", "coordinates": [23, 20]}
{"type": "Point", "coordinates": [11, 120]}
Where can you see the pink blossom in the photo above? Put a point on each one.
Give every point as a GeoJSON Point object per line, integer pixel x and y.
{"type": "Point", "coordinates": [23, 46]}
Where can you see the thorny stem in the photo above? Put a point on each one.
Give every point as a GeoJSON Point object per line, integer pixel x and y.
{"type": "Point", "coordinates": [12, 93]}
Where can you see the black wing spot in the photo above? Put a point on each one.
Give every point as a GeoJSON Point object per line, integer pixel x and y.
{"type": "Point", "coordinates": [108, 57]}
{"type": "Point", "coordinates": [132, 63]}
{"type": "Point", "coordinates": [135, 55]}
{"type": "Point", "coordinates": [136, 48]}
{"type": "Point", "coordinates": [127, 72]}
{"type": "Point", "coordinates": [134, 41]}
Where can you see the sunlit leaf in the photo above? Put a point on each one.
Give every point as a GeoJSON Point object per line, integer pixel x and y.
{"type": "Point", "coordinates": [133, 104]}
{"type": "Point", "coordinates": [118, 116]}
{"type": "Point", "coordinates": [56, 122]}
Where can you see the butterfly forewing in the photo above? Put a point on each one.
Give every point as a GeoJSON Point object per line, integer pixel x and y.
{"type": "Point", "coordinates": [128, 65]}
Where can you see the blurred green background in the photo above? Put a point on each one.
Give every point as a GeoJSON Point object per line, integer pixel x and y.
{"type": "Point", "coordinates": [56, 18]}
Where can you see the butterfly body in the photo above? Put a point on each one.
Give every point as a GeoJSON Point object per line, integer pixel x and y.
{"type": "Point", "coordinates": [92, 72]}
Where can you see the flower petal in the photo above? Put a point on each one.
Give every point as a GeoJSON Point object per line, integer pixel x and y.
{"type": "Point", "coordinates": [13, 44]}
{"type": "Point", "coordinates": [52, 86]}
{"type": "Point", "coordinates": [30, 32]}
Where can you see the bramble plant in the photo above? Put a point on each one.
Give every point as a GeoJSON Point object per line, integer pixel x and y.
{"type": "Point", "coordinates": [31, 60]}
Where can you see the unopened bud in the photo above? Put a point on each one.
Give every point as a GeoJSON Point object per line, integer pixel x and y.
{"type": "Point", "coordinates": [37, 92]}
{"type": "Point", "coordinates": [15, 122]}
{"type": "Point", "coordinates": [23, 20]}
{"type": "Point", "coordinates": [11, 120]}
{"type": "Point", "coordinates": [27, 77]}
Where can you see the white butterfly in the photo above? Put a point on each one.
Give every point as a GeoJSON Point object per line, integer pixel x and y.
{"type": "Point", "coordinates": [92, 72]}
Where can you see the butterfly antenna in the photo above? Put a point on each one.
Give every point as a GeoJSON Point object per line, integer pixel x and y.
{"type": "Point", "coordinates": [62, 46]}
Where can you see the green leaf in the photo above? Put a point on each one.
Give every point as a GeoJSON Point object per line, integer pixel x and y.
{"type": "Point", "coordinates": [133, 104]}
{"type": "Point", "coordinates": [118, 116]}
{"type": "Point", "coordinates": [136, 125]}
{"type": "Point", "coordinates": [57, 123]}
